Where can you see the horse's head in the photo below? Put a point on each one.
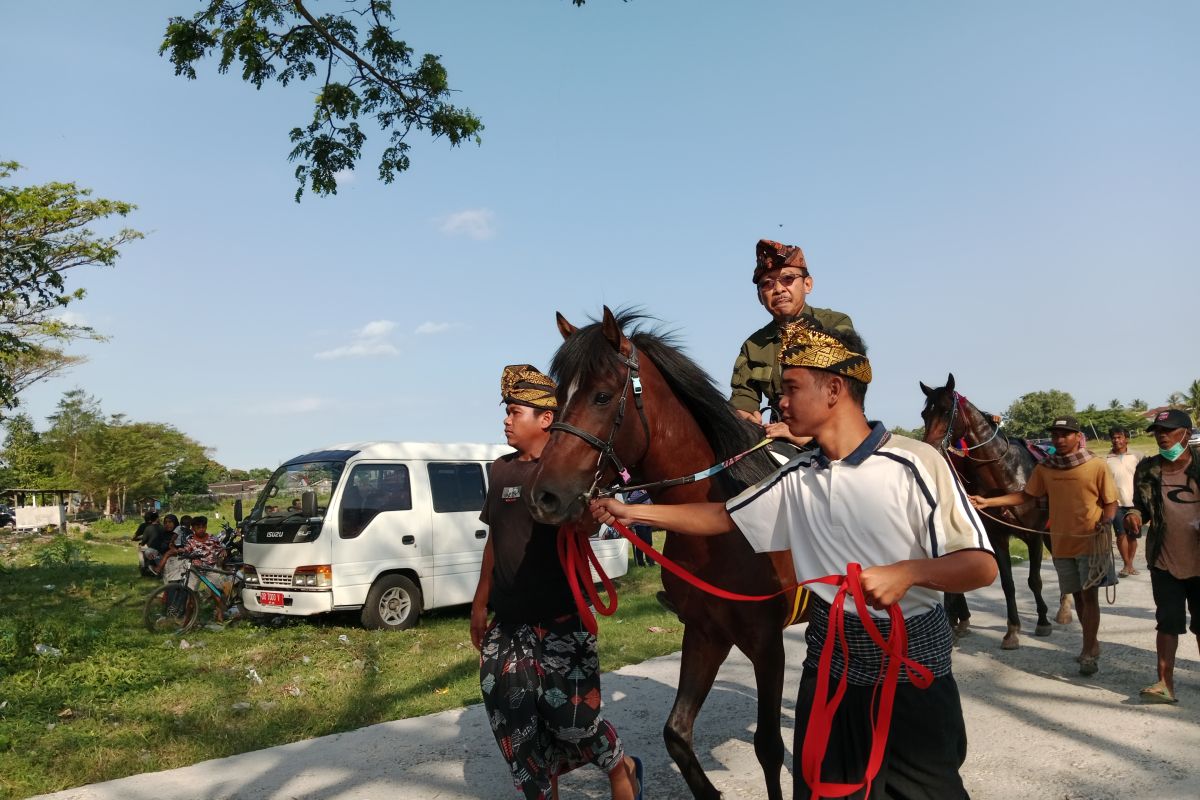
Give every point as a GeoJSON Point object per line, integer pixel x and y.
{"type": "Point", "coordinates": [600, 428]}
{"type": "Point", "coordinates": [940, 414]}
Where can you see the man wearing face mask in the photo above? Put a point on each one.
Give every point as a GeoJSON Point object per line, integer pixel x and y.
{"type": "Point", "coordinates": [782, 282]}
{"type": "Point", "coordinates": [1166, 497]}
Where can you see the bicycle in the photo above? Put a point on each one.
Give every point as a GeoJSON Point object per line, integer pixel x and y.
{"type": "Point", "coordinates": [175, 607]}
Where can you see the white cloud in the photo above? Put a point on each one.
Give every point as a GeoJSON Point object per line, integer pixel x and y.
{"type": "Point", "coordinates": [344, 177]}
{"type": "Point", "coordinates": [376, 329]}
{"type": "Point", "coordinates": [371, 340]}
{"type": "Point", "coordinates": [429, 328]}
{"type": "Point", "coordinates": [474, 223]}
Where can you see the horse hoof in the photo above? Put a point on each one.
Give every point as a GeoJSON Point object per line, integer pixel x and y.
{"type": "Point", "coordinates": [1010, 642]}
{"type": "Point", "coordinates": [1064, 617]}
{"type": "Point", "coordinates": [962, 628]}
{"type": "Point", "coordinates": [1044, 629]}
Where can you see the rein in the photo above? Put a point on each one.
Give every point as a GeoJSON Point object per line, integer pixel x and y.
{"type": "Point", "coordinates": [697, 476]}
{"type": "Point", "coordinates": [576, 554]}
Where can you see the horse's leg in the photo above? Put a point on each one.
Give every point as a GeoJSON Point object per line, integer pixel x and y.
{"type": "Point", "coordinates": [958, 613]}
{"type": "Point", "coordinates": [768, 738]}
{"type": "Point", "coordinates": [703, 653]}
{"type": "Point", "coordinates": [1044, 628]}
{"type": "Point", "coordinates": [1012, 637]}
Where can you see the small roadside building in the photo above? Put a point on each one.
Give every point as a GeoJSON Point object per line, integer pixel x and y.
{"type": "Point", "coordinates": [37, 508]}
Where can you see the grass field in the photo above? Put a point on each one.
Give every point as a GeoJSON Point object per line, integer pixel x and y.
{"type": "Point", "coordinates": [118, 700]}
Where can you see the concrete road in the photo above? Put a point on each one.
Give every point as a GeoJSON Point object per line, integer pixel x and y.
{"type": "Point", "coordinates": [1038, 730]}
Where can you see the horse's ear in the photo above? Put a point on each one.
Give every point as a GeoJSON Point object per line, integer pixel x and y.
{"type": "Point", "coordinates": [925, 389]}
{"type": "Point", "coordinates": [950, 382]}
{"type": "Point", "coordinates": [564, 327]}
{"type": "Point", "coordinates": [612, 331]}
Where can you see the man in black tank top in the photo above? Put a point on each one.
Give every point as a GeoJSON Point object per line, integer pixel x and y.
{"type": "Point", "coordinates": [539, 670]}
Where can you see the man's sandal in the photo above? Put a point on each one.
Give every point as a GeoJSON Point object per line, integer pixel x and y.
{"type": "Point", "coordinates": [1157, 693]}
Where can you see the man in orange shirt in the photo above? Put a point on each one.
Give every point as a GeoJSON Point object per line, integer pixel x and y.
{"type": "Point", "coordinates": [1083, 502]}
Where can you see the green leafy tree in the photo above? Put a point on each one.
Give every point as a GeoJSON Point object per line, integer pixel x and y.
{"type": "Point", "coordinates": [1030, 414]}
{"type": "Point", "coordinates": [361, 68]}
{"type": "Point", "coordinates": [261, 473]}
{"type": "Point", "coordinates": [26, 462]}
{"type": "Point", "coordinates": [1138, 404]}
{"type": "Point", "coordinates": [70, 439]}
{"type": "Point", "coordinates": [1096, 423]}
{"type": "Point", "coordinates": [44, 233]}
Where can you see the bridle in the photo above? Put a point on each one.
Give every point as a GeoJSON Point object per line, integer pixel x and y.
{"type": "Point", "coordinates": [965, 451]}
{"type": "Point", "coordinates": [632, 386]}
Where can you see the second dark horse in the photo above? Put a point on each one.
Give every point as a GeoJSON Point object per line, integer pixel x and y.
{"type": "Point", "coordinates": [989, 464]}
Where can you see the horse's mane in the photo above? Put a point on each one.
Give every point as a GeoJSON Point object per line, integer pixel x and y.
{"type": "Point", "coordinates": [587, 354]}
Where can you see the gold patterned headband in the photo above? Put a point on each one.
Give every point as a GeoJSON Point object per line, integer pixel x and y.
{"type": "Point", "coordinates": [522, 383]}
{"type": "Point", "coordinates": [803, 345]}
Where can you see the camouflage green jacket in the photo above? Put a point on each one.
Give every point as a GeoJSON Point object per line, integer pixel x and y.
{"type": "Point", "coordinates": [756, 378]}
{"type": "Point", "coordinates": [1147, 497]}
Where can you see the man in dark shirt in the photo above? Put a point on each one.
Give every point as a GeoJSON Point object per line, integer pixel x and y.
{"type": "Point", "coordinates": [539, 670]}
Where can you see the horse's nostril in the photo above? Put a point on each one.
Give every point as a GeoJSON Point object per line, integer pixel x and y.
{"type": "Point", "coordinates": [547, 501]}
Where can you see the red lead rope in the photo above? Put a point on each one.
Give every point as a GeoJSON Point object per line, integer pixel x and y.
{"type": "Point", "coordinates": [575, 554]}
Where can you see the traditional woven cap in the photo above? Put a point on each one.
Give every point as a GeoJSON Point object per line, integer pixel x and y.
{"type": "Point", "coordinates": [522, 383]}
{"type": "Point", "coordinates": [771, 255]}
{"type": "Point", "coordinates": [803, 345]}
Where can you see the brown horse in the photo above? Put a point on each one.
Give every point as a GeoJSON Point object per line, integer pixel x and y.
{"type": "Point", "coordinates": [635, 402]}
{"type": "Point", "coordinates": [990, 464]}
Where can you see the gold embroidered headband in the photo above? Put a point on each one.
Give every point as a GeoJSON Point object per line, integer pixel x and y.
{"type": "Point", "coordinates": [803, 345]}
{"type": "Point", "coordinates": [522, 383]}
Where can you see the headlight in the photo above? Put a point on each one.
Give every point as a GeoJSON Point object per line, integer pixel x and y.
{"type": "Point", "coordinates": [249, 574]}
{"type": "Point", "coordinates": [318, 576]}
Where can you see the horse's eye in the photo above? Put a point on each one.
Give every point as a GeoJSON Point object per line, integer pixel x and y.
{"type": "Point", "coordinates": [603, 398]}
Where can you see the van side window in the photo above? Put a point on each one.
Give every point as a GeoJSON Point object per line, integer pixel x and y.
{"type": "Point", "coordinates": [457, 487]}
{"type": "Point", "coordinates": [372, 489]}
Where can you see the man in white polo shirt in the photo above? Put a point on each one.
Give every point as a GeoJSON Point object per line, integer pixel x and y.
{"type": "Point", "coordinates": [871, 497]}
{"type": "Point", "coordinates": [1121, 464]}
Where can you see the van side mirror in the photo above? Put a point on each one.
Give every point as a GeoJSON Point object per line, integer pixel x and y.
{"type": "Point", "coordinates": [237, 510]}
{"type": "Point", "coordinates": [308, 504]}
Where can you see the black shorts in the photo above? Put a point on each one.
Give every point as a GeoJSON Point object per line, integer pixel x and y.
{"type": "Point", "coordinates": [1171, 594]}
{"type": "Point", "coordinates": [926, 747]}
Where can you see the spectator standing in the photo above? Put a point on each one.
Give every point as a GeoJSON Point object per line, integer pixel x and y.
{"type": "Point", "coordinates": [1121, 464]}
{"type": "Point", "coordinates": [644, 532]}
{"type": "Point", "coordinates": [1167, 498]}
{"type": "Point", "coordinates": [1083, 501]}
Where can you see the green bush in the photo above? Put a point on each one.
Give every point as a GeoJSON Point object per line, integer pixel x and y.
{"type": "Point", "coordinates": [61, 552]}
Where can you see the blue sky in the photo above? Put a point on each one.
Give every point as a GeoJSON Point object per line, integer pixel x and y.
{"type": "Point", "coordinates": [1005, 191]}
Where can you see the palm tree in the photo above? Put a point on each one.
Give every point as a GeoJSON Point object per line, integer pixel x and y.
{"type": "Point", "coordinates": [1192, 400]}
{"type": "Point", "coordinates": [1175, 400]}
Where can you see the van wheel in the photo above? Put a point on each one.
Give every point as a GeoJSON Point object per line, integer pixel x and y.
{"type": "Point", "coordinates": [394, 603]}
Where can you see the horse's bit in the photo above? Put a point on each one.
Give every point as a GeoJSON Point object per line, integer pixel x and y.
{"type": "Point", "coordinates": [633, 385]}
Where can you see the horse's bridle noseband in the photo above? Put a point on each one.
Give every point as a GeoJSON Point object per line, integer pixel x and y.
{"type": "Point", "coordinates": [633, 385]}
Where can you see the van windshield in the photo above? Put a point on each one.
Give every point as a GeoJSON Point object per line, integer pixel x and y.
{"type": "Point", "coordinates": [283, 495]}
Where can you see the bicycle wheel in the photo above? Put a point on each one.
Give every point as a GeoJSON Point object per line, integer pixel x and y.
{"type": "Point", "coordinates": [173, 608]}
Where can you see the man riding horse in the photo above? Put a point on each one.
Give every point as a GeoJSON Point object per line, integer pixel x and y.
{"type": "Point", "coordinates": [782, 282]}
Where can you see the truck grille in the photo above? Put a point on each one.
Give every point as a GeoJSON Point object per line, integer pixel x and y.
{"type": "Point", "coordinates": [275, 578]}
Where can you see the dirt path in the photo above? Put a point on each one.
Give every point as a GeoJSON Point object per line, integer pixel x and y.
{"type": "Point", "coordinates": [1038, 731]}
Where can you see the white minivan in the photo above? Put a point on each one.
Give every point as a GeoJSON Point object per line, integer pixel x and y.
{"type": "Point", "coordinates": [390, 529]}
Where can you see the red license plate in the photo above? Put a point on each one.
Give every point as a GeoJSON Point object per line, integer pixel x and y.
{"type": "Point", "coordinates": [270, 598]}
